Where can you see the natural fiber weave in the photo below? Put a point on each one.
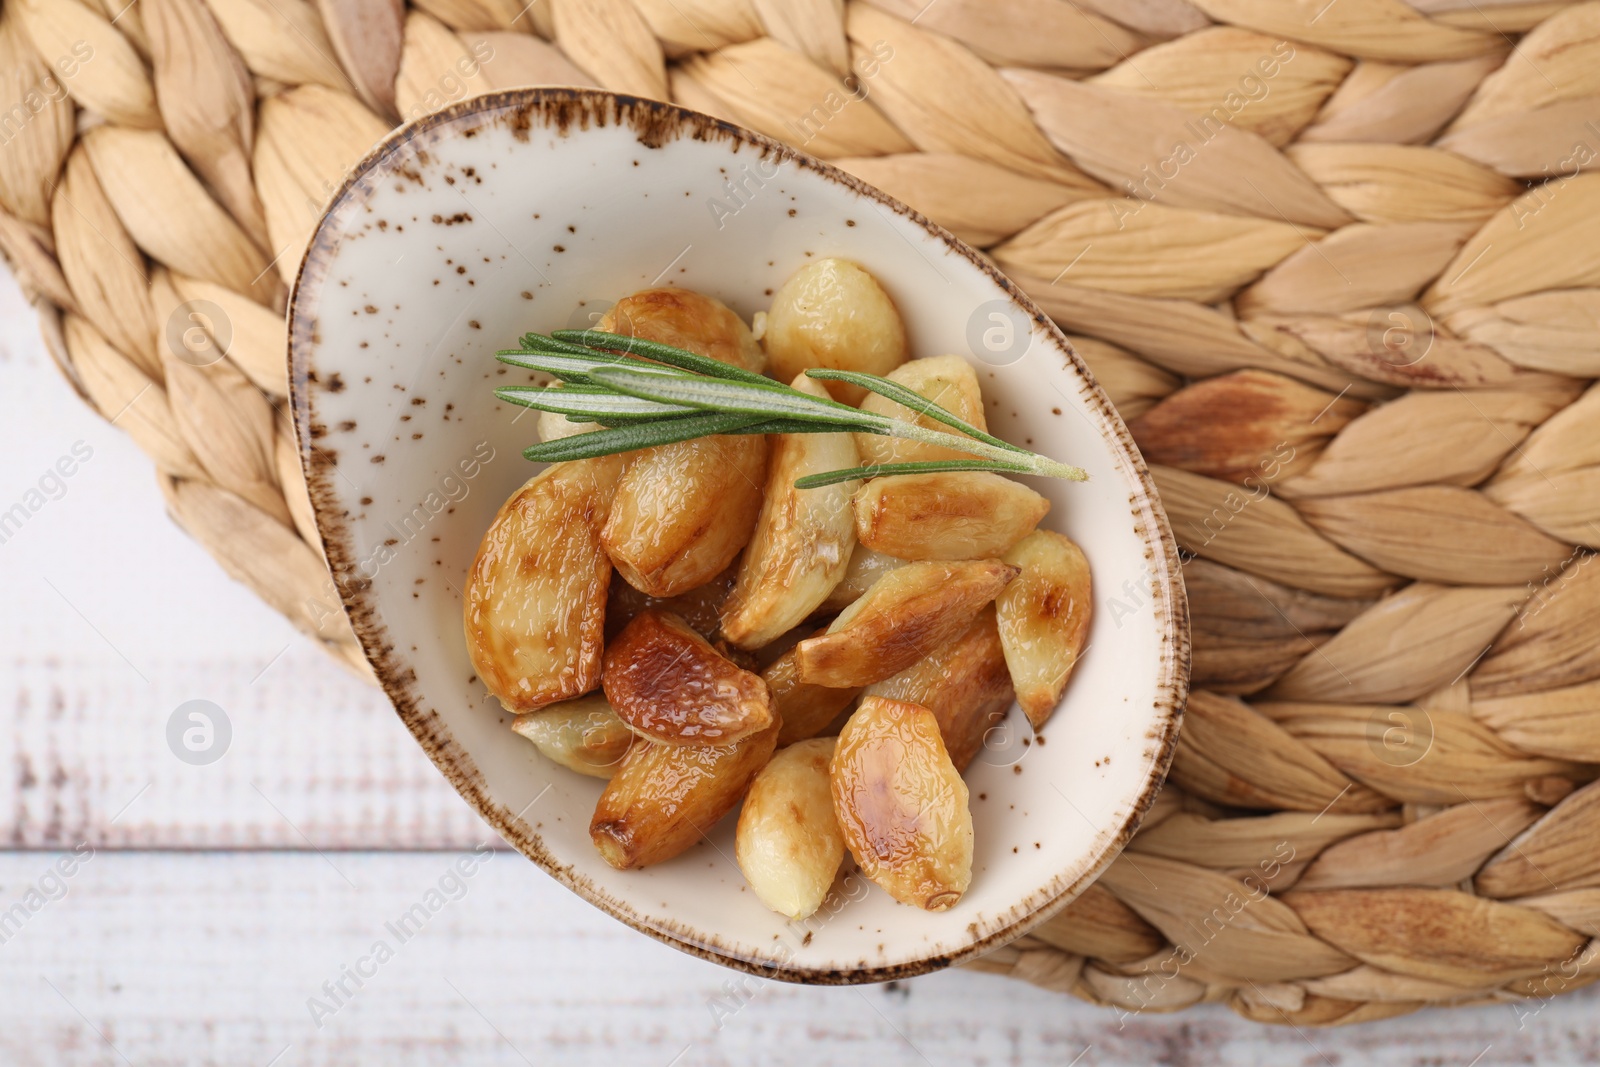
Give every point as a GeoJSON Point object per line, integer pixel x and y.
{"type": "Point", "coordinates": [1338, 263]}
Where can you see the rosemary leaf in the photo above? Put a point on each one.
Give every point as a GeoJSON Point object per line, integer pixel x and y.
{"type": "Point", "coordinates": [677, 357]}
{"type": "Point", "coordinates": [878, 470]}
{"type": "Point", "coordinates": [627, 438]}
{"type": "Point", "coordinates": [769, 398]}
{"type": "Point", "coordinates": [576, 368]}
{"type": "Point", "coordinates": [570, 400]}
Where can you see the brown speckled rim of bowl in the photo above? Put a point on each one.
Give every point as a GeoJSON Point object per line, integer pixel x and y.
{"type": "Point", "coordinates": [656, 123]}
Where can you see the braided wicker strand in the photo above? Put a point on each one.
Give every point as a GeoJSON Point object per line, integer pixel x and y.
{"type": "Point", "coordinates": [1366, 234]}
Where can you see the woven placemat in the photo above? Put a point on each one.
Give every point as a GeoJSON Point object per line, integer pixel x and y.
{"type": "Point", "coordinates": [1336, 261]}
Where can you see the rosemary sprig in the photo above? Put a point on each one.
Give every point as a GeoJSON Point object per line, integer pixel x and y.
{"type": "Point", "coordinates": [645, 393]}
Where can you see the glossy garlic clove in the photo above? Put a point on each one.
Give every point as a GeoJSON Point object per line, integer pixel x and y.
{"type": "Point", "coordinates": [664, 798]}
{"type": "Point", "coordinates": [683, 511]}
{"type": "Point", "coordinates": [534, 606]}
{"type": "Point", "coordinates": [788, 842]}
{"type": "Point", "coordinates": [583, 735]}
{"type": "Point", "coordinates": [686, 319]}
{"type": "Point", "coordinates": [668, 684]}
{"type": "Point", "coordinates": [946, 515]}
{"type": "Point", "coordinates": [832, 313]}
{"type": "Point", "coordinates": [901, 804]}
{"type": "Point", "coordinates": [965, 685]}
{"type": "Point", "coordinates": [907, 614]}
{"type": "Point", "coordinates": [1044, 619]}
{"type": "Point", "coordinates": [803, 538]}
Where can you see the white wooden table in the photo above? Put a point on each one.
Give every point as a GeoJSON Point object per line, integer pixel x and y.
{"type": "Point", "coordinates": [213, 911]}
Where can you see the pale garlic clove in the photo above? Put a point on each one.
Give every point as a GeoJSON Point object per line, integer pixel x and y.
{"type": "Point", "coordinates": [866, 566]}
{"type": "Point", "coordinates": [669, 685]}
{"type": "Point", "coordinates": [907, 613]}
{"type": "Point", "coordinates": [833, 314]}
{"type": "Point", "coordinates": [803, 538]}
{"type": "Point", "coordinates": [948, 381]}
{"type": "Point", "coordinates": [583, 735]}
{"type": "Point", "coordinates": [788, 842]}
{"type": "Point", "coordinates": [806, 710]}
{"type": "Point", "coordinates": [902, 806]}
{"type": "Point", "coordinates": [965, 685]}
{"type": "Point", "coordinates": [1044, 619]}
{"type": "Point", "coordinates": [664, 798]}
{"type": "Point", "coordinates": [946, 515]}
{"type": "Point", "coordinates": [534, 605]}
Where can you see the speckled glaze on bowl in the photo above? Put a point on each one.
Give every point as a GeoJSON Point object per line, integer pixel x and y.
{"type": "Point", "coordinates": [532, 210]}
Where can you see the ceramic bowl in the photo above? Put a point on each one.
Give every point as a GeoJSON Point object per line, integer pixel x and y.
{"type": "Point", "coordinates": [533, 210]}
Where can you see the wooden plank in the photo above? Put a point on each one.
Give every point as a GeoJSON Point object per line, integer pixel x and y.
{"type": "Point", "coordinates": [222, 958]}
{"type": "Point", "coordinates": [114, 618]}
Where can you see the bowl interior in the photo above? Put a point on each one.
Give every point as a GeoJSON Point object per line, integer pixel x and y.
{"type": "Point", "coordinates": [532, 211]}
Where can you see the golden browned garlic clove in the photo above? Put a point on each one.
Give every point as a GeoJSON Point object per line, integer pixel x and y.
{"type": "Point", "coordinates": [803, 538]}
{"type": "Point", "coordinates": [689, 320]}
{"type": "Point", "coordinates": [788, 843]}
{"type": "Point", "coordinates": [534, 606]}
{"type": "Point", "coordinates": [947, 515]}
{"type": "Point", "coordinates": [833, 314]}
{"type": "Point", "coordinates": [806, 710]}
{"type": "Point", "coordinates": [907, 613]}
{"type": "Point", "coordinates": [901, 804]}
{"type": "Point", "coordinates": [965, 684]}
{"type": "Point", "coordinates": [866, 567]}
{"type": "Point", "coordinates": [664, 798]}
{"type": "Point", "coordinates": [683, 511]}
{"type": "Point", "coordinates": [583, 735]}
{"type": "Point", "coordinates": [700, 607]}
{"type": "Point", "coordinates": [669, 685]}
{"type": "Point", "coordinates": [1044, 619]}
{"type": "Point", "coordinates": [948, 381]}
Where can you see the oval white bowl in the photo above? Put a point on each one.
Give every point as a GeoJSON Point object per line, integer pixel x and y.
{"type": "Point", "coordinates": [532, 210]}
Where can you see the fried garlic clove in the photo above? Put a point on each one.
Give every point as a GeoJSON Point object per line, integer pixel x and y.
{"type": "Point", "coordinates": [906, 615]}
{"type": "Point", "coordinates": [946, 515]}
{"type": "Point", "coordinates": [788, 843]}
{"type": "Point", "coordinates": [901, 804]}
{"type": "Point", "coordinates": [964, 684]}
{"type": "Point", "coordinates": [832, 313]}
{"type": "Point", "coordinates": [1044, 619]}
{"type": "Point", "coordinates": [803, 538]}
{"type": "Point", "coordinates": [948, 381]}
{"type": "Point", "coordinates": [686, 319]}
{"type": "Point", "coordinates": [534, 606]}
{"type": "Point", "coordinates": [664, 798]}
{"type": "Point", "coordinates": [669, 685]}
{"type": "Point", "coordinates": [583, 735]}
{"type": "Point", "coordinates": [683, 511]}
{"type": "Point", "coordinates": [806, 710]}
